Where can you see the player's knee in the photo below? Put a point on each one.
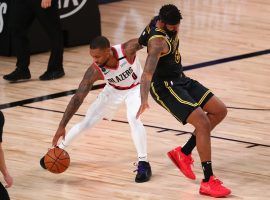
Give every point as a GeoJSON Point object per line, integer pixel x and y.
{"type": "Point", "coordinates": [204, 124]}
{"type": "Point", "coordinates": [222, 111]}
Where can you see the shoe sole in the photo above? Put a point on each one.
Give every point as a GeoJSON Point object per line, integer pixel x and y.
{"type": "Point", "coordinates": [174, 161]}
{"type": "Point", "coordinates": [145, 180]}
{"type": "Point", "coordinates": [19, 80]}
{"type": "Point", "coordinates": [53, 78]}
{"type": "Point", "coordinates": [216, 196]}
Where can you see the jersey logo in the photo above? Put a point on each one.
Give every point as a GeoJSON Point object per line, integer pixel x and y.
{"type": "Point", "coordinates": [123, 64]}
{"type": "Point", "coordinates": [104, 70]}
{"type": "Point", "coordinates": [122, 76]}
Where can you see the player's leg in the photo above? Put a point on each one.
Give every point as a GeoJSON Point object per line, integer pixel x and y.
{"type": "Point", "coordinates": [178, 102]}
{"type": "Point", "coordinates": [98, 109]}
{"type": "Point", "coordinates": [138, 133]}
{"type": "Point", "coordinates": [210, 185]}
{"type": "Point", "coordinates": [216, 110]}
{"type": "Point", "coordinates": [96, 112]}
{"type": "Point", "coordinates": [137, 129]}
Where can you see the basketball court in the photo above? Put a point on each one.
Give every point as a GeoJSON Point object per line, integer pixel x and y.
{"type": "Point", "coordinates": [224, 44]}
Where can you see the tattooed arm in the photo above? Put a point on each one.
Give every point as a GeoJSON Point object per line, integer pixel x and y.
{"type": "Point", "coordinates": [90, 76]}
{"type": "Point", "coordinates": [131, 47]}
{"type": "Point", "coordinates": [156, 47]}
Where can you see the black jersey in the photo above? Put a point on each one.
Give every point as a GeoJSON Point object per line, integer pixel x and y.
{"type": "Point", "coordinates": [169, 65]}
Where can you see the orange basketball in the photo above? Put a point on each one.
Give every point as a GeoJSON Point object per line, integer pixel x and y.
{"type": "Point", "coordinates": [57, 160]}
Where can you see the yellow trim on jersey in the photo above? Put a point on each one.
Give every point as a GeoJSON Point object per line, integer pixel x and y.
{"type": "Point", "coordinates": [203, 97]}
{"type": "Point", "coordinates": [161, 30]}
{"type": "Point", "coordinates": [161, 36]}
{"type": "Point", "coordinates": [148, 29]}
{"type": "Point", "coordinates": [177, 97]}
{"type": "Point", "coordinates": [161, 102]}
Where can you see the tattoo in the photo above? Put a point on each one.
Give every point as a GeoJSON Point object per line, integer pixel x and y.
{"type": "Point", "coordinates": [90, 76]}
{"type": "Point", "coordinates": [131, 47]}
{"type": "Point", "coordinates": [155, 49]}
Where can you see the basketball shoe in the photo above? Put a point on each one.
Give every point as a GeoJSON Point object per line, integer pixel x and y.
{"type": "Point", "coordinates": [182, 161]}
{"type": "Point", "coordinates": [144, 172]}
{"type": "Point", "coordinates": [214, 188]}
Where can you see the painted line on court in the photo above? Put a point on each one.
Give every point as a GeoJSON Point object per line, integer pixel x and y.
{"type": "Point", "coordinates": [185, 68]}
{"type": "Point", "coordinates": [162, 129]}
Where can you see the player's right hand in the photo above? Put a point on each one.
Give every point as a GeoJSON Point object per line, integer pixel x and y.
{"type": "Point", "coordinates": [61, 132]}
{"type": "Point", "coordinates": [9, 181]}
{"type": "Point", "coordinates": [142, 108]}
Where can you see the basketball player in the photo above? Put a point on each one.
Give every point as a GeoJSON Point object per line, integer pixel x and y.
{"type": "Point", "coordinates": [121, 69]}
{"type": "Point", "coordinates": [3, 168]}
{"type": "Point", "coordinates": [186, 99]}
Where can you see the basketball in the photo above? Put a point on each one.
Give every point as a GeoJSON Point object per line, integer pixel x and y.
{"type": "Point", "coordinates": [57, 160]}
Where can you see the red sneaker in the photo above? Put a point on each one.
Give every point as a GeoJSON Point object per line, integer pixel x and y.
{"type": "Point", "coordinates": [214, 188]}
{"type": "Point", "coordinates": [182, 161]}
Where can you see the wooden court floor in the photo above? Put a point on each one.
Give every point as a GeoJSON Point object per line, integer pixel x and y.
{"type": "Point", "coordinates": [224, 44]}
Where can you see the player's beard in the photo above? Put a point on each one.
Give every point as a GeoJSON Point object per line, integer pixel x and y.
{"type": "Point", "coordinates": [170, 33]}
{"type": "Point", "coordinates": [105, 63]}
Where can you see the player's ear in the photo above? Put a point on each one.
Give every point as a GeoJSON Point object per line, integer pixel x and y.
{"type": "Point", "coordinates": [107, 50]}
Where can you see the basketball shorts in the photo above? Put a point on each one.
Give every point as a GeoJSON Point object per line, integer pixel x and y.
{"type": "Point", "coordinates": [180, 97]}
{"type": "Point", "coordinates": [3, 193]}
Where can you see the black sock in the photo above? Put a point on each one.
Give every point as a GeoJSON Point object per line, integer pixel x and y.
{"type": "Point", "coordinates": [207, 170]}
{"type": "Point", "coordinates": [189, 146]}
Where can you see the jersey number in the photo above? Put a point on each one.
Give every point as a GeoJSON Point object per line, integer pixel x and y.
{"type": "Point", "coordinates": [134, 76]}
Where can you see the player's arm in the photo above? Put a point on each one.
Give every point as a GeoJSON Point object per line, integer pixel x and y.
{"type": "Point", "coordinates": [131, 47]}
{"type": "Point", "coordinates": [156, 47]}
{"type": "Point", "coordinates": [90, 76]}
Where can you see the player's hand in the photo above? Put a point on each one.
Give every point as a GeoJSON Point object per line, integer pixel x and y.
{"type": "Point", "coordinates": [9, 181]}
{"type": "Point", "coordinates": [61, 132]}
{"type": "Point", "coordinates": [142, 108]}
{"type": "Point", "coordinates": [46, 3]}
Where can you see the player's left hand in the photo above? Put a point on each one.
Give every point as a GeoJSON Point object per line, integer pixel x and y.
{"type": "Point", "coordinates": [9, 181]}
{"type": "Point", "coordinates": [46, 3]}
{"type": "Point", "coordinates": [142, 108]}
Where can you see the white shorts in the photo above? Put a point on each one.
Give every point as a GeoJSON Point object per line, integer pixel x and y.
{"type": "Point", "coordinates": [109, 100]}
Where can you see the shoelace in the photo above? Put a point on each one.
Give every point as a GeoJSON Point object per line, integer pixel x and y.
{"type": "Point", "coordinates": [217, 183]}
{"type": "Point", "coordinates": [140, 168]}
{"type": "Point", "coordinates": [189, 160]}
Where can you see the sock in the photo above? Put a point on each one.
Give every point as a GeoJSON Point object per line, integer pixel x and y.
{"type": "Point", "coordinates": [189, 146]}
{"type": "Point", "coordinates": [144, 158]}
{"type": "Point", "coordinates": [207, 170]}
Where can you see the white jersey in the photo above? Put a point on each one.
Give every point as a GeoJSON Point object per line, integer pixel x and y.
{"type": "Point", "coordinates": [126, 74]}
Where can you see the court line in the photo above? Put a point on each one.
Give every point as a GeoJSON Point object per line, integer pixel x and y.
{"type": "Point", "coordinates": [162, 129]}
{"type": "Point", "coordinates": [228, 59]}
{"type": "Point", "coordinates": [185, 68]}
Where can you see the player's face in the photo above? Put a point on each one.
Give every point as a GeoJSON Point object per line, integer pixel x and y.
{"type": "Point", "coordinates": [100, 56]}
{"type": "Point", "coordinates": [172, 29]}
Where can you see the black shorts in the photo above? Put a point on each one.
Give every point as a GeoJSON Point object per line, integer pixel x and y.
{"type": "Point", "coordinates": [3, 193]}
{"type": "Point", "coordinates": [180, 96]}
